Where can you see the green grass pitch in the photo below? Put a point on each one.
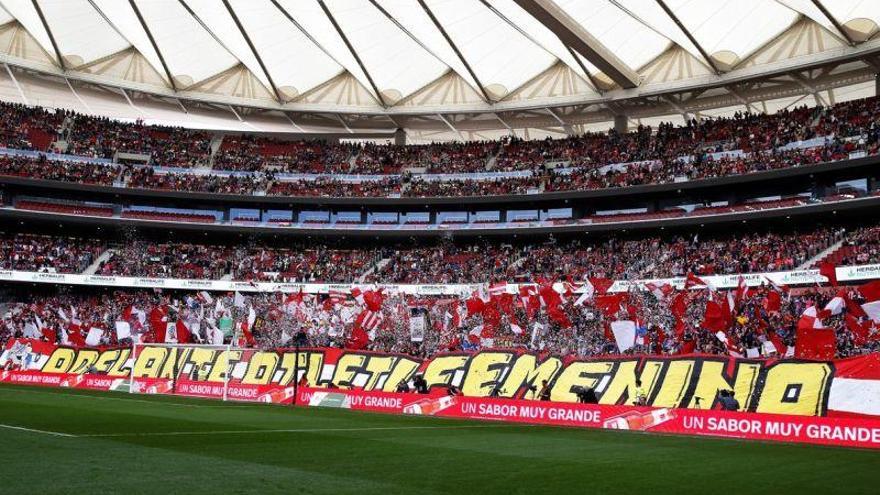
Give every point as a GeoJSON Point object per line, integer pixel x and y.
{"type": "Point", "coordinates": [74, 441]}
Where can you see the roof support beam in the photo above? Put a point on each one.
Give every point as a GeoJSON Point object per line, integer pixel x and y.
{"type": "Point", "coordinates": [149, 33]}
{"type": "Point", "coordinates": [834, 22]}
{"type": "Point", "coordinates": [294, 124]}
{"type": "Point", "coordinates": [51, 36]}
{"type": "Point", "coordinates": [565, 125]}
{"type": "Point", "coordinates": [351, 49]}
{"type": "Point", "coordinates": [231, 109]}
{"type": "Point", "coordinates": [254, 51]}
{"type": "Point", "coordinates": [804, 83]}
{"type": "Point", "coordinates": [572, 34]}
{"type": "Point", "coordinates": [344, 123]}
{"type": "Point", "coordinates": [456, 50]}
{"type": "Point", "coordinates": [584, 68]}
{"type": "Point", "coordinates": [450, 126]}
{"type": "Point", "coordinates": [17, 86]}
{"type": "Point", "coordinates": [742, 100]}
{"type": "Point", "coordinates": [79, 98]}
{"type": "Point", "coordinates": [690, 36]}
{"type": "Point", "coordinates": [505, 124]}
{"type": "Point", "coordinates": [678, 108]}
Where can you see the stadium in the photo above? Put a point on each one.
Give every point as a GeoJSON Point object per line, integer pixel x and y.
{"type": "Point", "coordinates": [435, 246]}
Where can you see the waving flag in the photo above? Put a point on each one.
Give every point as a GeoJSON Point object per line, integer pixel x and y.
{"type": "Point", "coordinates": [829, 271]}
{"type": "Point", "coordinates": [814, 340]}
{"type": "Point", "coordinates": [624, 334]}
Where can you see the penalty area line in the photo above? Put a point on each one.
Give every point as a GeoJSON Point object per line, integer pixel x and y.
{"type": "Point", "coordinates": [34, 430]}
{"type": "Point", "coordinates": [291, 430]}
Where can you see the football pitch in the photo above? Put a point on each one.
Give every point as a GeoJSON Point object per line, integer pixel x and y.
{"type": "Point", "coordinates": [74, 441]}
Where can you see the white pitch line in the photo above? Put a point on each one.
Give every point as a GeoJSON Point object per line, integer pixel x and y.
{"type": "Point", "coordinates": [34, 430]}
{"type": "Point", "coordinates": [294, 430]}
{"type": "Point", "coordinates": [128, 399]}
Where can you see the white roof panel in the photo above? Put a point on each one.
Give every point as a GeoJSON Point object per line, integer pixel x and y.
{"type": "Point", "coordinates": [630, 40]}
{"type": "Point", "coordinates": [502, 58]}
{"type": "Point", "coordinates": [310, 15]}
{"type": "Point", "coordinates": [188, 48]}
{"type": "Point", "coordinates": [415, 20]}
{"type": "Point", "coordinates": [739, 27]}
{"type": "Point", "coordinates": [222, 27]}
{"type": "Point", "coordinates": [28, 17]}
{"type": "Point", "coordinates": [397, 50]}
{"type": "Point", "coordinates": [397, 63]}
{"type": "Point", "coordinates": [847, 10]}
{"type": "Point", "coordinates": [275, 38]}
{"type": "Point", "coordinates": [80, 30]}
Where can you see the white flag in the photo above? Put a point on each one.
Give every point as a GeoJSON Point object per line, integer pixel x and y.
{"type": "Point", "coordinates": [123, 330]}
{"type": "Point", "coordinates": [94, 336]}
{"type": "Point", "coordinates": [624, 334]}
{"type": "Point", "coordinates": [238, 300]}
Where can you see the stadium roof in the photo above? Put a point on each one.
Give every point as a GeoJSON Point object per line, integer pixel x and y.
{"type": "Point", "coordinates": [405, 58]}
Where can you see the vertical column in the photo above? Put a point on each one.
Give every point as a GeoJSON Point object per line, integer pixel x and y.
{"type": "Point", "coordinates": [621, 124]}
{"type": "Point", "coordinates": [399, 137]}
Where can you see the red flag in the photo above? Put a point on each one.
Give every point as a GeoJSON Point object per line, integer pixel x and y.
{"type": "Point", "coordinates": [75, 337]}
{"type": "Point", "coordinates": [601, 285]}
{"type": "Point", "coordinates": [475, 305]}
{"type": "Point", "coordinates": [860, 331]}
{"type": "Point", "coordinates": [688, 346]}
{"type": "Point", "coordinates": [609, 305]}
{"type": "Point", "coordinates": [828, 270]}
{"type": "Point", "coordinates": [780, 346]}
{"type": "Point", "coordinates": [556, 314]}
{"type": "Point", "coordinates": [717, 316]}
{"type": "Point", "coordinates": [157, 323]}
{"type": "Point", "coordinates": [773, 302]}
{"type": "Point", "coordinates": [368, 320]}
{"type": "Point", "coordinates": [741, 291]}
{"type": "Point", "coordinates": [855, 309]}
{"type": "Point", "coordinates": [693, 280]}
{"type": "Point", "coordinates": [373, 300]}
{"type": "Point", "coordinates": [549, 296]}
{"type": "Point", "coordinates": [814, 340]}
{"type": "Point", "coordinates": [679, 305]}
{"type": "Point", "coordinates": [359, 338]}
{"type": "Point", "coordinates": [184, 336]}
{"type": "Point", "coordinates": [870, 291]}
{"type": "Point", "coordinates": [505, 302]}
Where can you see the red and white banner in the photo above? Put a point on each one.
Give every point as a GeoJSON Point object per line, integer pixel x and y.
{"type": "Point", "coordinates": [832, 402]}
{"type": "Point", "coordinates": [849, 432]}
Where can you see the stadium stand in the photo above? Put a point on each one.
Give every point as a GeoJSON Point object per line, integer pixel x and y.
{"type": "Point", "coordinates": [699, 150]}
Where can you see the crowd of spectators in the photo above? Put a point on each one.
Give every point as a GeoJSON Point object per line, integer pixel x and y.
{"type": "Point", "coordinates": [668, 324]}
{"type": "Point", "coordinates": [861, 247]}
{"type": "Point", "coordinates": [622, 259]}
{"type": "Point", "coordinates": [147, 178]}
{"type": "Point", "coordinates": [446, 158]}
{"type": "Point", "coordinates": [28, 128]}
{"type": "Point", "coordinates": [444, 261]}
{"type": "Point", "coordinates": [483, 187]}
{"type": "Point", "coordinates": [66, 171]}
{"type": "Point", "coordinates": [298, 263]}
{"type": "Point", "coordinates": [101, 137]}
{"type": "Point", "coordinates": [40, 253]}
{"type": "Point", "coordinates": [252, 153]}
{"type": "Point", "coordinates": [755, 142]}
{"type": "Point", "coordinates": [327, 186]}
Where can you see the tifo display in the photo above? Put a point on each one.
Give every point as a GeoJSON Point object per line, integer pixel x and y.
{"type": "Point", "coordinates": [659, 394]}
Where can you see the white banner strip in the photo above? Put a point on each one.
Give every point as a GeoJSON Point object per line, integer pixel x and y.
{"type": "Point", "coordinates": [799, 277]}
